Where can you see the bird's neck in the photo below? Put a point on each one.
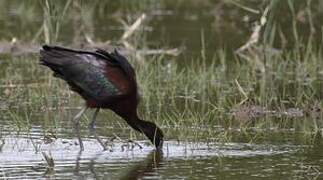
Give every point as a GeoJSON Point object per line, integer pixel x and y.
{"type": "Point", "coordinates": [132, 119]}
{"type": "Point", "coordinates": [138, 124]}
{"type": "Point", "coordinates": [146, 127]}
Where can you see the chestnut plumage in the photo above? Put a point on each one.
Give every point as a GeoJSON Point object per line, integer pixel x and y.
{"type": "Point", "coordinates": [104, 80]}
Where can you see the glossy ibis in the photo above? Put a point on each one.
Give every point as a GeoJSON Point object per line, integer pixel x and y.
{"type": "Point", "coordinates": [104, 80]}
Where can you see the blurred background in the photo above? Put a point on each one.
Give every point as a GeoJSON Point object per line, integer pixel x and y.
{"type": "Point", "coordinates": [235, 85]}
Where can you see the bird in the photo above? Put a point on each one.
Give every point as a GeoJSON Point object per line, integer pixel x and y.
{"type": "Point", "coordinates": [105, 80]}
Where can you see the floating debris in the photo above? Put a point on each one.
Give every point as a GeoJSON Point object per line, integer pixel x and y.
{"type": "Point", "coordinates": [49, 138]}
{"type": "Point", "coordinates": [293, 112]}
{"type": "Point", "coordinates": [247, 112]}
{"type": "Point", "coordinates": [17, 48]}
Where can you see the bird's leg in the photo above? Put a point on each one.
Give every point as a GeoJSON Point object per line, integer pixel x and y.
{"type": "Point", "coordinates": [92, 129]}
{"type": "Point", "coordinates": [76, 121]}
{"type": "Point", "coordinates": [93, 121]}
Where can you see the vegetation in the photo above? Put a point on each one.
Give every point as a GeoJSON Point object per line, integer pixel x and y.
{"type": "Point", "coordinates": [236, 86]}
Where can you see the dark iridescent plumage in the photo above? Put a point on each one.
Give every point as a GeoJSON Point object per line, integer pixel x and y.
{"type": "Point", "coordinates": [104, 80]}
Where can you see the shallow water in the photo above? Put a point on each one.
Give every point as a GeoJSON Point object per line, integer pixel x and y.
{"type": "Point", "coordinates": [21, 158]}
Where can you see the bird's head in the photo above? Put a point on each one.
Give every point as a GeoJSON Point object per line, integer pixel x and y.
{"type": "Point", "coordinates": [158, 138]}
{"type": "Point", "coordinates": [153, 132]}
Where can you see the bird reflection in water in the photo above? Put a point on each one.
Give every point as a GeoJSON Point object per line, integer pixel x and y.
{"type": "Point", "coordinates": [142, 168]}
{"type": "Point", "coordinates": [149, 165]}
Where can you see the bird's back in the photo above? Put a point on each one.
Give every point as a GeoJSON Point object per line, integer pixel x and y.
{"type": "Point", "coordinates": [99, 77]}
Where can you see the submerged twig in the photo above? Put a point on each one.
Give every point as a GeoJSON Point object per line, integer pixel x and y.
{"type": "Point", "coordinates": [36, 145]}
{"type": "Point", "coordinates": [2, 144]}
{"type": "Point", "coordinates": [49, 160]}
{"type": "Point", "coordinates": [50, 163]}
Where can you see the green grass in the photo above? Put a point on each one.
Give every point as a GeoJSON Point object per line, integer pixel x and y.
{"type": "Point", "coordinates": [192, 97]}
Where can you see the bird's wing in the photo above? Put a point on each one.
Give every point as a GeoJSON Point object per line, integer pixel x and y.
{"type": "Point", "coordinates": [84, 71]}
{"type": "Point", "coordinates": [91, 80]}
{"type": "Point", "coordinates": [118, 59]}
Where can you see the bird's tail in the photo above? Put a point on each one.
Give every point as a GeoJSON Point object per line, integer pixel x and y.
{"type": "Point", "coordinates": [55, 58]}
{"type": "Point", "coordinates": [52, 56]}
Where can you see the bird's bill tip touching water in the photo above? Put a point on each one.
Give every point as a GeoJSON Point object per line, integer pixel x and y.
{"type": "Point", "coordinates": [160, 145]}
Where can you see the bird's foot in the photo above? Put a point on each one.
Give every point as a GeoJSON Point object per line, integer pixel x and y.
{"type": "Point", "coordinates": [76, 123]}
{"type": "Point", "coordinates": [93, 132]}
{"type": "Point", "coordinates": [101, 142]}
{"type": "Point", "coordinates": [77, 129]}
